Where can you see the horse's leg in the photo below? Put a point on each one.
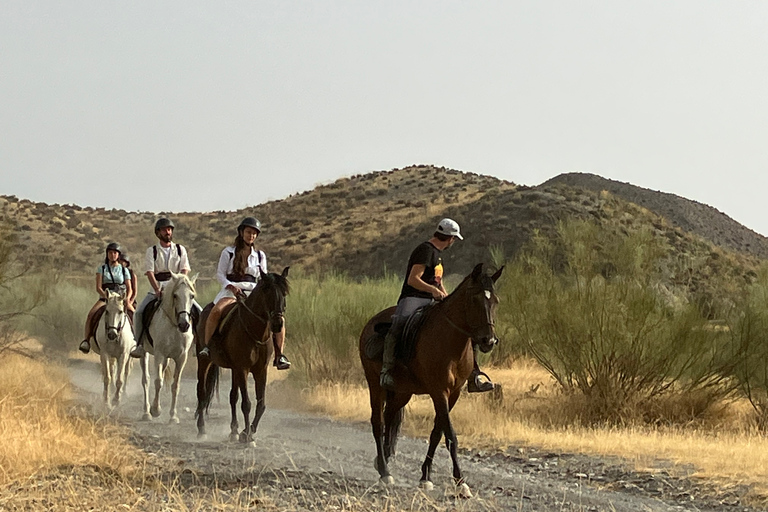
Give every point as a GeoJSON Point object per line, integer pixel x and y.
{"type": "Point", "coordinates": [179, 367]}
{"type": "Point", "coordinates": [452, 444]}
{"type": "Point", "coordinates": [393, 417]}
{"type": "Point", "coordinates": [426, 468]}
{"type": "Point", "coordinates": [202, 373]}
{"type": "Point", "coordinates": [260, 378]}
{"type": "Point", "coordinates": [245, 405]}
{"type": "Point", "coordinates": [159, 367]}
{"type": "Point", "coordinates": [120, 367]}
{"type": "Point", "coordinates": [145, 384]}
{"type": "Point", "coordinates": [376, 395]}
{"type": "Point", "coordinates": [106, 377]}
{"type": "Point", "coordinates": [233, 394]}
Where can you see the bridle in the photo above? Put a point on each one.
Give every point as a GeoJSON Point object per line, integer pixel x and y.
{"type": "Point", "coordinates": [488, 320]}
{"type": "Point", "coordinates": [119, 329]}
{"type": "Point", "coordinates": [273, 316]}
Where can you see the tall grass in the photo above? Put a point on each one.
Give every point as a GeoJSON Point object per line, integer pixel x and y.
{"type": "Point", "coordinates": [324, 318]}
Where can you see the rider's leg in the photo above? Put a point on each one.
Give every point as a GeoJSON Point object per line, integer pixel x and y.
{"type": "Point", "coordinates": [212, 322]}
{"type": "Point", "coordinates": [85, 345]}
{"type": "Point", "coordinates": [278, 340]}
{"type": "Point", "coordinates": [478, 381]}
{"type": "Point", "coordinates": [138, 350]}
{"type": "Point", "coordinates": [386, 380]}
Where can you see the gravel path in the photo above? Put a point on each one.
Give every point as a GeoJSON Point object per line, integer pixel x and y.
{"type": "Point", "coordinates": [307, 462]}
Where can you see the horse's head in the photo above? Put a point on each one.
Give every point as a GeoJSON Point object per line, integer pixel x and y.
{"type": "Point", "coordinates": [114, 315]}
{"type": "Point", "coordinates": [270, 295]}
{"type": "Point", "coordinates": [182, 291]}
{"type": "Point", "coordinates": [480, 302]}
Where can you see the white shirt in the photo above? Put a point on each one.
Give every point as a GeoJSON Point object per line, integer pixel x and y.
{"type": "Point", "coordinates": [168, 259]}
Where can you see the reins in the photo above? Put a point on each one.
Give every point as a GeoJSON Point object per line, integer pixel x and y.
{"type": "Point", "coordinates": [241, 304]}
{"type": "Point", "coordinates": [468, 334]}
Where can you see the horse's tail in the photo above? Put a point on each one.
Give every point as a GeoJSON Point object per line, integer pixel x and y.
{"type": "Point", "coordinates": [211, 384]}
{"type": "Point", "coordinates": [394, 428]}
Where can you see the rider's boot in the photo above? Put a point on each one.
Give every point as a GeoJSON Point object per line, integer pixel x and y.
{"type": "Point", "coordinates": [386, 380]}
{"type": "Point", "coordinates": [281, 362]}
{"type": "Point", "coordinates": [138, 350]}
{"type": "Point", "coordinates": [478, 382]}
{"type": "Point", "coordinates": [85, 346]}
{"type": "Point", "coordinates": [210, 327]}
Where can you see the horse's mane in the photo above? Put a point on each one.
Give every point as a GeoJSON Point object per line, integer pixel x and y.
{"type": "Point", "coordinates": [177, 279]}
{"type": "Point", "coordinates": [272, 280]}
{"type": "Point", "coordinates": [484, 280]}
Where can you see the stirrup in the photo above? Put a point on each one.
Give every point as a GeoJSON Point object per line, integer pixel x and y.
{"type": "Point", "coordinates": [282, 363]}
{"type": "Point", "coordinates": [138, 351]}
{"type": "Point", "coordinates": [85, 346]}
{"type": "Point", "coordinates": [477, 385]}
{"type": "Point", "coordinates": [205, 352]}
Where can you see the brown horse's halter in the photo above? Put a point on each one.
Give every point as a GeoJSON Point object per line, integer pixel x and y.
{"type": "Point", "coordinates": [464, 331]}
{"type": "Point", "coordinates": [267, 321]}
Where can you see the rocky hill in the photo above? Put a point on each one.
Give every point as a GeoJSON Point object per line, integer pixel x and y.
{"type": "Point", "coordinates": [691, 216]}
{"type": "Point", "coordinates": [367, 224]}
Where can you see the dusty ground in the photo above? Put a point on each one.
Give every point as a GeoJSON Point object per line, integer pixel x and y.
{"type": "Point", "coordinates": [302, 462]}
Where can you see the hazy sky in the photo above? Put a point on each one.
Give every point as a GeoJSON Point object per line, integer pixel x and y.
{"type": "Point", "coordinates": [201, 106]}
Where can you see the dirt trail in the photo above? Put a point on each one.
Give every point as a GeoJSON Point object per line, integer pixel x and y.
{"type": "Point", "coordinates": [314, 463]}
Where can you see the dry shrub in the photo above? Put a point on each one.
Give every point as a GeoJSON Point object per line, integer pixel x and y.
{"type": "Point", "coordinates": [40, 431]}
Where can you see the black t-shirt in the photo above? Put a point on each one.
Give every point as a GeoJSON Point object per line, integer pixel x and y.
{"type": "Point", "coordinates": [428, 255]}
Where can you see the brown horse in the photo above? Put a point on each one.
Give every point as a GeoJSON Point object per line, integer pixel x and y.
{"type": "Point", "coordinates": [441, 362]}
{"type": "Point", "coordinates": [244, 347]}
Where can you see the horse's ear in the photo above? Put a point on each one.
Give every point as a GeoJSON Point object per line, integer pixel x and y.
{"type": "Point", "coordinates": [262, 273]}
{"type": "Point", "coordinates": [497, 274]}
{"type": "Point", "coordinates": [194, 278]}
{"type": "Point", "coordinates": [285, 271]}
{"type": "Point", "coordinates": [477, 271]}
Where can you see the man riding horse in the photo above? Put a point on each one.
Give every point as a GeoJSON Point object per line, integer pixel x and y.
{"type": "Point", "coordinates": [422, 285]}
{"type": "Point", "coordinates": [162, 259]}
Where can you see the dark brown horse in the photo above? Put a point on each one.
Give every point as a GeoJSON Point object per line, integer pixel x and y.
{"type": "Point", "coordinates": [243, 346]}
{"type": "Point", "coordinates": [441, 362]}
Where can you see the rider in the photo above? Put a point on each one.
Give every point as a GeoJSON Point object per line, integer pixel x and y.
{"type": "Point", "coordinates": [109, 276]}
{"type": "Point", "coordinates": [239, 270]}
{"type": "Point", "coordinates": [130, 300]}
{"type": "Point", "coordinates": [422, 285]}
{"type": "Point", "coordinates": [161, 259]}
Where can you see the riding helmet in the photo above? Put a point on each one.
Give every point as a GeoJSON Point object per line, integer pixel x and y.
{"type": "Point", "coordinates": [124, 257]}
{"type": "Point", "coordinates": [449, 227]}
{"type": "Point", "coordinates": [114, 246]}
{"type": "Point", "coordinates": [250, 222]}
{"type": "Point", "coordinates": [163, 222]}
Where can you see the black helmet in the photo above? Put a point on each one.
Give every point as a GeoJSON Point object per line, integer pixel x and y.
{"type": "Point", "coordinates": [114, 246]}
{"type": "Point", "coordinates": [249, 222]}
{"type": "Point", "coordinates": [163, 222]}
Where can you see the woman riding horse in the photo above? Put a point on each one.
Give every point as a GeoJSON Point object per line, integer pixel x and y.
{"type": "Point", "coordinates": [240, 267]}
{"type": "Point", "coordinates": [109, 276]}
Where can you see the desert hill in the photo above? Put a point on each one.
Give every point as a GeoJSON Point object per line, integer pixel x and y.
{"type": "Point", "coordinates": [691, 216]}
{"type": "Point", "coordinates": [367, 224]}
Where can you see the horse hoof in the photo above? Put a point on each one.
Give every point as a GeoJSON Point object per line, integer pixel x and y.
{"type": "Point", "coordinates": [202, 436]}
{"type": "Point", "coordinates": [155, 412]}
{"type": "Point", "coordinates": [426, 485]}
{"type": "Point", "coordinates": [387, 480]}
{"type": "Point", "coordinates": [174, 420]}
{"type": "Point", "coordinates": [146, 417]}
{"type": "Point", "coordinates": [462, 490]}
{"type": "Point", "coordinates": [252, 444]}
{"type": "Point", "coordinates": [233, 437]}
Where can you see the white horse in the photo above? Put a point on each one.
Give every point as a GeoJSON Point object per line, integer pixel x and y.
{"type": "Point", "coordinates": [172, 337]}
{"type": "Point", "coordinates": [114, 341]}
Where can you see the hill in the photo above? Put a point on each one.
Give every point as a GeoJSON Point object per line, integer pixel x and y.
{"type": "Point", "coordinates": [690, 216]}
{"type": "Point", "coordinates": [367, 224]}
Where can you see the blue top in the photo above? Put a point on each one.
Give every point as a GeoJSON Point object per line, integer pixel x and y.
{"type": "Point", "coordinates": [113, 275]}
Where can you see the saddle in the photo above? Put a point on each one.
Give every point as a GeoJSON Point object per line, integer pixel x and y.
{"type": "Point", "coordinates": [406, 342]}
{"type": "Point", "coordinates": [146, 318]}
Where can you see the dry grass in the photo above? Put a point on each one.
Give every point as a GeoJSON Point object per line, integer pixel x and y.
{"type": "Point", "coordinates": [527, 415]}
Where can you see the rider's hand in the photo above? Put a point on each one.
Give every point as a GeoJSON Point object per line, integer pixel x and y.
{"type": "Point", "coordinates": [159, 293]}
{"type": "Point", "coordinates": [234, 289]}
{"type": "Point", "coordinates": [439, 294]}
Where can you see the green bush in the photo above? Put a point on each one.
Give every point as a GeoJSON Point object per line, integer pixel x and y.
{"type": "Point", "coordinates": [593, 308]}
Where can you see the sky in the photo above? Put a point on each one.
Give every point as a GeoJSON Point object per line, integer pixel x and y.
{"type": "Point", "coordinates": [203, 106]}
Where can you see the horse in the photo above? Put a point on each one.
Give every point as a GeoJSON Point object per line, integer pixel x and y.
{"type": "Point", "coordinates": [172, 336]}
{"type": "Point", "coordinates": [440, 363]}
{"type": "Point", "coordinates": [113, 342]}
{"type": "Point", "coordinates": [243, 346]}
